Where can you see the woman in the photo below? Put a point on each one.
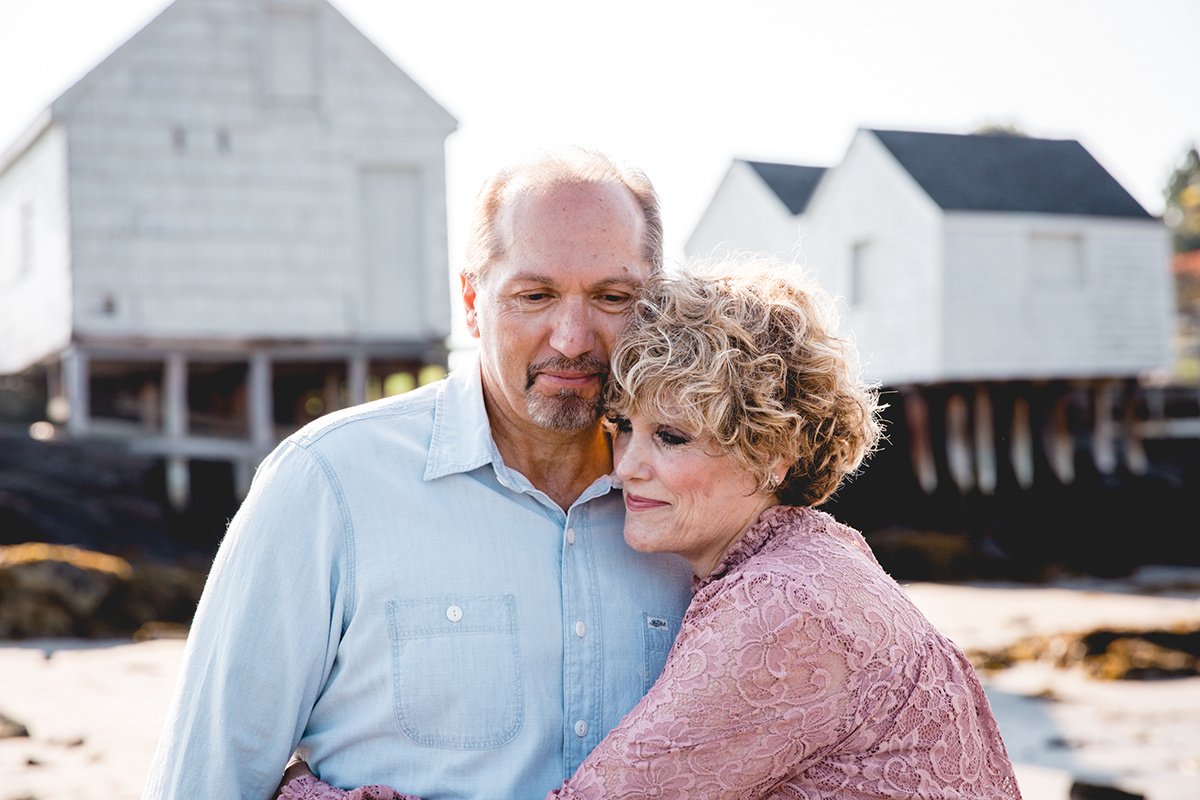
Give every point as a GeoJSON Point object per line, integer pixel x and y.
{"type": "Point", "coordinates": [801, 670]}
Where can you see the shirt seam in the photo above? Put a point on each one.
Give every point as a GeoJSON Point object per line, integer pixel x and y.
{"type": "Point", "coordinates": [348, 540]}
{"type": "Point", "coordinates": [305, 438]}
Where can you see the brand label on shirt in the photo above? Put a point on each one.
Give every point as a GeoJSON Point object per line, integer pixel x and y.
{"type": "Point", "coordinates": [656, 622]}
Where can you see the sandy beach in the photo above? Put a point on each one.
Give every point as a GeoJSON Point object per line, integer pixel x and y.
{"type": "Point", "coordinates": [94, 709]}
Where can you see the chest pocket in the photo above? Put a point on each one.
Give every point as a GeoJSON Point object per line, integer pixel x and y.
{"type": "Point", "coordinates": [658, 635]}
{"type": "Point", "coordinates": [456, 670]}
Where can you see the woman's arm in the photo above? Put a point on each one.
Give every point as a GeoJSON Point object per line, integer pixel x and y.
{"type": "Point", "coordinates": [299, 783]}
{"type": "Point", "coordinates": [754, 688]}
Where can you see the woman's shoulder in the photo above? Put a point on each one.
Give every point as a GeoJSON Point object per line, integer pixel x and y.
{"type": "Point", "coordinates": [806, 547]}
{"type": "Point", "coordinates": [824, 569]}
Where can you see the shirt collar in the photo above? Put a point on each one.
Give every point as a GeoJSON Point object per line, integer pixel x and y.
{"type": "Point", "coordinates": [462, 438]}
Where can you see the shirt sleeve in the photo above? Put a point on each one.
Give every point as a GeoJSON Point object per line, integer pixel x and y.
{"type": "Point", "coordinates": [263, 638]}
{"type": "Point", "coordinates": [754, 688]}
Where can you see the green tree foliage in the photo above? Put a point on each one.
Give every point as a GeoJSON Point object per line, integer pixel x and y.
{"type": "Point", "coordinates": [1182, 193]}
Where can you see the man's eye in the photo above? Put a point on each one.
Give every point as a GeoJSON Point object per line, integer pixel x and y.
{"type": "Point", "coordinates": [535, 297]}
{"type": "Point", "coordinates": [671, 438]}
{"type": "Point", "coordinates": [615, 299]}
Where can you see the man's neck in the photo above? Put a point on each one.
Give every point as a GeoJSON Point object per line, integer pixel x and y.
{"type": "Point", "coordinates": [560, 463]}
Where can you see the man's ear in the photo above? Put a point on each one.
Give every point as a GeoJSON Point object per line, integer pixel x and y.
{"type": "Point", "coordinates": [468, 297]}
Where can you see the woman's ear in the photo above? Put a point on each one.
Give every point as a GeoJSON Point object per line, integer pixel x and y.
{"type": "Point", "coordinates": [779, 472]}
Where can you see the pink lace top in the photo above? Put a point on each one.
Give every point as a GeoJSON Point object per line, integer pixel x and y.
{"type": "Point", "coordinates": [802, 670]}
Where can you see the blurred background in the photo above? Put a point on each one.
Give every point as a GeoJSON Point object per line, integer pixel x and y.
{"type": "Point", "coordinates": [221, 219]}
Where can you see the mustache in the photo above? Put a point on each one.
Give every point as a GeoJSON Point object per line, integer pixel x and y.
{"type": "Point", "coordinates": [584, 363]}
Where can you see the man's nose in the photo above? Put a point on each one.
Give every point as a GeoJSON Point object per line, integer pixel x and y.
{"type": "Point", "coordinates": [574, 331]}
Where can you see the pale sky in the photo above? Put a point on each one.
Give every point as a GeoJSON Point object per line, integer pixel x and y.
{"type": "Point", "coordinates": [682, 87]}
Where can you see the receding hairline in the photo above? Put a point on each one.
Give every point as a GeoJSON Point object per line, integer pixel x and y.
{"type": "Point", "coordinates": [542, 173]}
{"type": "Point", "coordinates": [512, 198]}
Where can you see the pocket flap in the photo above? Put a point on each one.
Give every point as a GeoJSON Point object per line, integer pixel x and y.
{"type": "Point", "coordinates": [451, 614]}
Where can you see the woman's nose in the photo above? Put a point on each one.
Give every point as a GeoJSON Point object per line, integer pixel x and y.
{"type": "Point", "coordinates": [628, 462]}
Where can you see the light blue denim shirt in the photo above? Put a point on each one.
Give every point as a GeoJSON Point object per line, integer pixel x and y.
{"type": "Point", "coordinates": [395, 600]}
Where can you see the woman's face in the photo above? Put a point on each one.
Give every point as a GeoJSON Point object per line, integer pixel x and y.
{"type": "Point", "coordinates": [682, 495]}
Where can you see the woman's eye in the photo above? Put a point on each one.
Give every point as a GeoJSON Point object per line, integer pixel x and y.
{"type": "Point", "coordinates": [620, 424]}
{"type": "Point", "coordinates": [671, 438]}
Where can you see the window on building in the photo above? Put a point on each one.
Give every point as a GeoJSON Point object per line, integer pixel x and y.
{"type": "Point", "coordinates": [862, 256]}
{"type": "Point", "coordinates": [10, 243]}
{"type": "Point", "coordinates": [16, 241]}
{"type": "Point", "coordinates": [1056, 260]}
{"type": "Point", "coordinates": [290, 57]}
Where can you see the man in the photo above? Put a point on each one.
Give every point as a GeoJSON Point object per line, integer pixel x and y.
{"type": "Point", "coordinates": [432, 591]}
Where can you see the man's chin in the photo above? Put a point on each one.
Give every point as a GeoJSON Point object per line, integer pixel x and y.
{"type": "Point", "coordinates": [565, 411]}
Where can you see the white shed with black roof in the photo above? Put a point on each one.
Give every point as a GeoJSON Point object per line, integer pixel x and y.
{"type": "Point", "coordinates": [1008, 286]}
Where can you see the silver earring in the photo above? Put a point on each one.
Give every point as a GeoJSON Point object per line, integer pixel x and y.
{"type": "Point", "coordinates": [773, 483]}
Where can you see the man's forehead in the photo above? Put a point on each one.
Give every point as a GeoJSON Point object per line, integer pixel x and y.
{"type": "Point", "coordinates": [619, 277]}
{"type": "Point", "coordinates": [602, 203]}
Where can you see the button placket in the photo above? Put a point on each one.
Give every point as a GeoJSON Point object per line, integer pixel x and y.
{"type": "Point", "coordinates": [582, 691]}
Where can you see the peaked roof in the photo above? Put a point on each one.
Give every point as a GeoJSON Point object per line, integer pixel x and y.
{"type": "Point", "coordinates": [998, 172]}
{"type": "Point", "coordinates": [793, 183]}
{"type": "Point", "coordinates": [10, 152]}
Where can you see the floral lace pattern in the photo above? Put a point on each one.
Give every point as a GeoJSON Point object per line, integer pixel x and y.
{"type": "Point", "coordinates": [307, 787]}
{"type": "Point", "coordinates": [802, 671]}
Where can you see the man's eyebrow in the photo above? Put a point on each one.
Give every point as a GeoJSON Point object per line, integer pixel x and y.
{"type": "Point", "coordinates": [531, 277]}
{"type": "Point", "coordinates": [607, 282]}
{"type": "Point", "coordinates": [538, 279]}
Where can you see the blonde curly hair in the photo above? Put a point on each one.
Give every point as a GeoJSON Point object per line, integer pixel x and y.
{"type": "Point", "coordinates": [744, 352]}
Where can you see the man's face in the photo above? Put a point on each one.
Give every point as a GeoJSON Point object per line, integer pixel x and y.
{"type": "Point", "coordinates": [548, 311]}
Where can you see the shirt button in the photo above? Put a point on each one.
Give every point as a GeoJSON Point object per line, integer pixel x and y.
{"type": "Point", "coordinates": [454, 613]}
{"type": "Point", "coordinates": [570, 536]}
{"type": "Point", "coordinates": [580, 629]}
{"type": "Point", "coordinates": [581, 728]}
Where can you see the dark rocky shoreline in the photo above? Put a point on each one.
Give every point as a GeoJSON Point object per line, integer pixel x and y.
{"type": "Point", "coordinates": [96, 501]}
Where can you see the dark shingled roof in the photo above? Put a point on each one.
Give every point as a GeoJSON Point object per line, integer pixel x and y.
{"type": "Point", "coordinates": [996, 172]}
{"type": "Point", "coordinates": [793, 184]}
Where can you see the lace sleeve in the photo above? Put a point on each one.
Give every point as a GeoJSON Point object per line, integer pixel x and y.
{"type": "Point", "coordinates": [753, 689]}
{"type": "Point", "coordinates": [309, 787]}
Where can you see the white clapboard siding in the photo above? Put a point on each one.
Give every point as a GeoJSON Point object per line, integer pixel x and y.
{"type": "Point", "coordinates": [1040, 295]}
{"type": "Point", "coordinates": [744, 215]}
{"type": "Point", "coordinates": [874, 240]}
{"type": "Point", "coordinates": [35, 281]}
{"type": "Point", "coordinates": [934, 295]}
{"type": "Point", "coordinates": [224, 166]}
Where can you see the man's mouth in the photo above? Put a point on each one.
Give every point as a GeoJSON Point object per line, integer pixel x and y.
{"type": "Point", "coordinates": [568, 374]}
{"type": "Point", "coordinates": [568, 380]}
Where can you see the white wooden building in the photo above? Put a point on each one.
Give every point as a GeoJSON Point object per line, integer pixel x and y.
{"type": "Point", "coordinates": [758, 206]}
{"type": "Point", "coordinates": [998, 282]}
{"type": "Point", "coordinates": [232, 224]}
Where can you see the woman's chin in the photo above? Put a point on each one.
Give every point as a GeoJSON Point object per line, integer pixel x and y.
{"type": "Point", "coordinates": [640, 542]}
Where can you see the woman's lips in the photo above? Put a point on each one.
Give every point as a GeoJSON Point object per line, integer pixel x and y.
{"type": "Point", "coordinates": [635, 503]}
